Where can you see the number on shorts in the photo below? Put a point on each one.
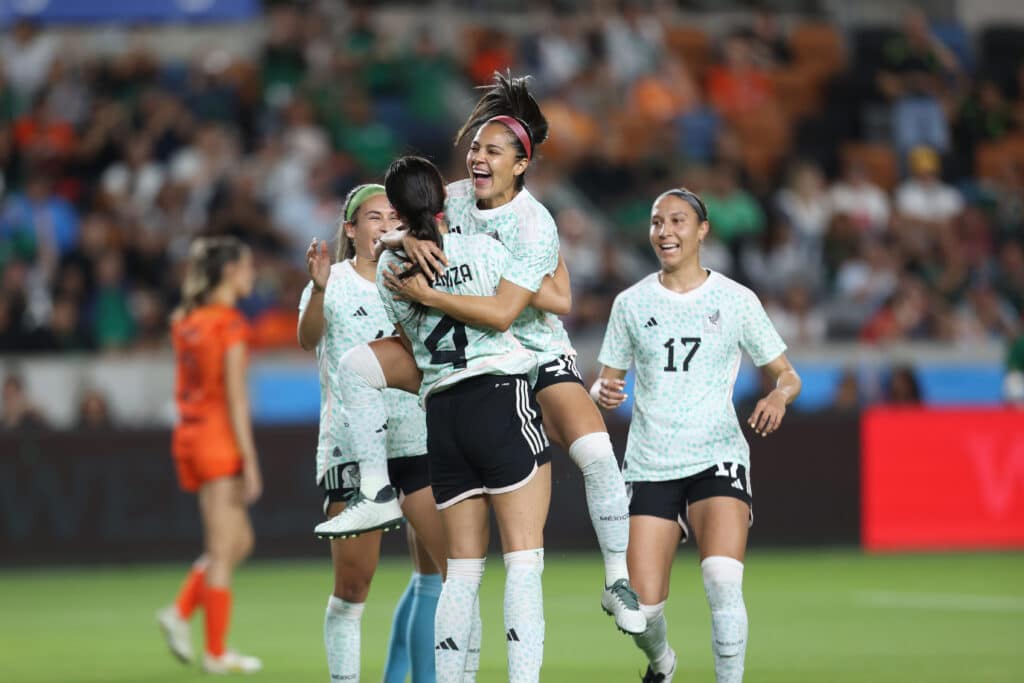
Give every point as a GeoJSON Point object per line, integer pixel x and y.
{"type": "Point", "coordinates": [455, 356]}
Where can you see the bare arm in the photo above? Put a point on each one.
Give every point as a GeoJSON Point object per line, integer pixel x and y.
{"type": "Point", "coordinates": [770, 410]}
{"type": "Point", "coordinates": [555, 293]}
{"type": "Point", "coordinates": [241, 424]}
{"type": "Point", "coordinates": [497, 312]}
{"type": "Point", "coordinates": [607, 390]}
{"type": "Point", "coordinates": [311, 322]}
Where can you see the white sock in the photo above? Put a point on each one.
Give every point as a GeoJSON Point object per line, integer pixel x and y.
{"type": "Point", "coordinates": [654, 641]}
{"type": "Point", "coordinates": [723, 584]}
{"type": "Point", "coordinates": [524, 614]}
{"type": "Point", "coordinates": [606, 500]}
{"type": "Point", "coordinates": [454, 618]}
{"type": "Point", "coordinates": [341, 638]}
{"type": "Point", "coordinates": [475, 636]}
{"type": "Point", "coordinates": [360, 389]}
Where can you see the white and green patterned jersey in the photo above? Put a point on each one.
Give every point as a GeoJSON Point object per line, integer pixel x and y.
{"type": "Point", "coordinates": [446, 350]}
{"type": "Point", "coordinates": [687, 352]}
{"type": "Point", "coordinates": [526, 227]}
{"type": "Point", "coordinates": [353, 315]}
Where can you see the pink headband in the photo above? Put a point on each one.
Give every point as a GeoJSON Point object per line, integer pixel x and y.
{"type": "Point", "coordinates": [517, 129]}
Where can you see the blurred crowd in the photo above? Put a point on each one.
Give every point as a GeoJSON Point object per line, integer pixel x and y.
{"type": "Point", "coordinates": [868, 185]}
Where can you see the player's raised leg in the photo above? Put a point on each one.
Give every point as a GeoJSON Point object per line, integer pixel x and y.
{"type": "Point", "coordinates": [361, 383]}
{"type": "Point", "coordinates": [721, 525]}
{"type": "Point", "coordinates": [572, 419]}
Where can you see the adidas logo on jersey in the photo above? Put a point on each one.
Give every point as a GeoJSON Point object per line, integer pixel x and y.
{"type": "Point", "coordinates": [512, 635]}
{"type": "Point", "coordinates": [360, 312]}
{"type": "Point", "coordinates": [447, 644]}
{"type": "Point", "coordinates": [651, 323]}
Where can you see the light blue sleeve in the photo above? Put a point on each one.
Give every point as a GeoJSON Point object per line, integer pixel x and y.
{"type": "Point", "coordinates": [758, 337]}
{"type": "Point", "coordinates": [617, 348]}
{"type": "Point", "coordinates": [386, 296]}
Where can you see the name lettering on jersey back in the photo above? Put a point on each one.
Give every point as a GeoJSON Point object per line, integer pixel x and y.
{"type": "Point", "coordinates": [454, 276]}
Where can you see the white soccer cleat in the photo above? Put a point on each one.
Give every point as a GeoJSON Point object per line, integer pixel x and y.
{"type": "Point", "coordinates": [176, 632]}
{"type": "Point", "coordinates": [362, 515]}
{"type": "Point", "coordinates": [231, 662]}
{"type": "Point", "coordinates": [619, 600]}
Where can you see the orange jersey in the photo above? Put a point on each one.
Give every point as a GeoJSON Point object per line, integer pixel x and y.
{"type": "Point", "coordinates": [201, 340]}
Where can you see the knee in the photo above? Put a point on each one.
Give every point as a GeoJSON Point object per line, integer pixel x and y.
{"type": "Point", "coordinates": [592, 448]}
{"type": "Point", "coordinates": [352, 584]}
{"type": "Point", "coordinates": [361, 363]}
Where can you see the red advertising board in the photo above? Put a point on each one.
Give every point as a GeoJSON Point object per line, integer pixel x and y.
{"type": "Point", "coordinates": [935, 479]}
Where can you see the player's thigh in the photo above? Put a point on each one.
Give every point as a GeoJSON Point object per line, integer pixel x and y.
{"type": "Point", "coordinates": [652, 547]}
{"type": "Point", "coordinates": [426, 536]}
{"type": "Point", "coordinates": [399, 366]}
{"type": "Point", "coordinates": [521, 513]}
{"type": "Point", "coordinates": [355, 561]}
{"type": "Point", "coordinates": [466, 529]}
{"type": "Point", "coordinates": [721, 525]}
{"type": "Point", "coordinates": [569, 413]}
{"type": "Point", "coordinates": [224, 515]}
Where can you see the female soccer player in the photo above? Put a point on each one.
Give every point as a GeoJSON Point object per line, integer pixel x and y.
{"type": "Point", "coordinates": [687, 460]}
{"type": "Point", "coordinates": [509, 126]}
{"type": "Point", "coordinates": [486, 442]}
{"type": "Point", "coordinates": [340, 308]}
{"type": "Point", "coordinates": [213, 444]}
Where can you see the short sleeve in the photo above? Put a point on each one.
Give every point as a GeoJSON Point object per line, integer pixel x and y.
{"type": "Point", "coordinates": [307, 294]}
{"type": "Point", "coordinates": [386, 296]}
{"type": "Point", "coordinates": [617, 348]}
{"type": "Point", "coordinates": [533, 258]}
{"type": "Point", "coordinates": [758, 337]}
{"type": "Point", "coordinates": [235, 330]}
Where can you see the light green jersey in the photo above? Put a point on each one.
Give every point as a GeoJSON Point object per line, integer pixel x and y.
{"type": "Point", "coordinates": [686, 349]}
{"type": "Point", "coordinates": [446, 350]}
{"type": "Point", "coordinates": [353, 315]}
{"type": "Point", "coordinates": [526, 227]}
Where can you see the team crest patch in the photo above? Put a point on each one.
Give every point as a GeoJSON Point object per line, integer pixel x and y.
{"type": "Point", "coordinates": [712, 321]}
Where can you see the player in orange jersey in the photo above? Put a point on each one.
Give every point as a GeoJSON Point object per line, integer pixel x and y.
{"type": "Point", "coordinates": [213, 444]}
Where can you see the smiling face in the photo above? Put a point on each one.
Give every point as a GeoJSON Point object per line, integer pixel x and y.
{"type": "Point", "coordinates": [373, 218]}
{"type": "Point", "coordinates": [676, 232]}
{"type": "Point", "coordinates": [493, 165]}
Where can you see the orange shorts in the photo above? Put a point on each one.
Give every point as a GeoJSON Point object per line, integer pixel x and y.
{"type": "Point", "coordinates": [201, 456]}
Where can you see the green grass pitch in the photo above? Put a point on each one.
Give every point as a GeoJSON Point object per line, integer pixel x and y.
{"type": "Point", "coordinates": [822, 616]}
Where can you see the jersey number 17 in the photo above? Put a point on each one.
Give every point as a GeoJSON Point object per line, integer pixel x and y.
{"type": "Point", "coordinates": [693, 343]}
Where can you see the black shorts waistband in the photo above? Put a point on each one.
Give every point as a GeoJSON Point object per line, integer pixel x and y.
{"type": "Point", "coordinates": [473, 384]}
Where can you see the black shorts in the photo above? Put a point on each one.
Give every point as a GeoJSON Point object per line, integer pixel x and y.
{"type": "Point", "coordinates": [407, 475]}
{"type": "Point", "coordinates": [561, 369]}
{"type": "Point", "coordinates": [669, 499]}
{"type": "Point", "coordinates": [484, 435]}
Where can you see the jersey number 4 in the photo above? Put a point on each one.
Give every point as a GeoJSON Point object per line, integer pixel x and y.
{"type": "Point", "coordinates": [693, 343]}
{"type": "Point", "coordinates": [457, 355]}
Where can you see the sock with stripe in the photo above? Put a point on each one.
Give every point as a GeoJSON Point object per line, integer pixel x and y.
{"type": "Point", "coordinates": [426, 592]}
{"type": "Point", "coordinates": [191, 594]}
{"type": "Point", "coordinates": [606, 500]}
{"type": "Point", "coordinates": [360, 389]}
{"type": "Point", "coordinates": [654, 641]}
{"type": "Point", "coordinates": [397, 662]}
{"type": "Point", "coordinates": [454, 618]}
{"type": "Point", "coordinates": [217, 604]}
{"type": "Point", "coordinates": [342, 625]}
{"type": "Point", "coordinates": [524, 614]}
{"type": "Point", "coordinates": [723, 584]}
{"type": "Point", "coordinates": [475, 637]}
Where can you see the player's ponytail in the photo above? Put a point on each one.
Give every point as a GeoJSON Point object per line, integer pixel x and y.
{"type": "Point", "coordinates": [509, 96]}
{"type": "Point", "coordinates": [204, 269]}
{"type": "Point", "coordinates": [416, 190]}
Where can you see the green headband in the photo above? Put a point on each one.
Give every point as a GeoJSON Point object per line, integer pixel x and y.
{"type": "Point", "coordinates": [361, 195]}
